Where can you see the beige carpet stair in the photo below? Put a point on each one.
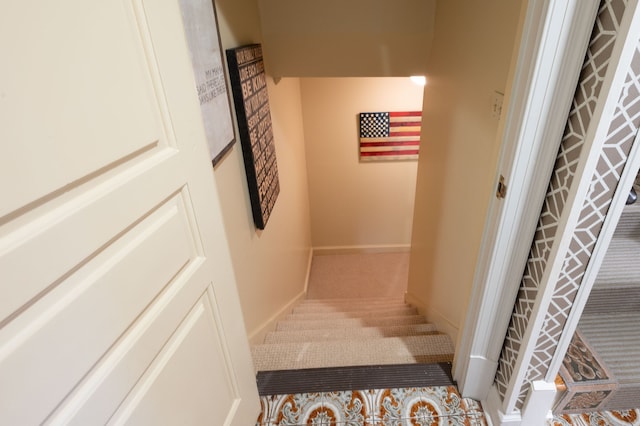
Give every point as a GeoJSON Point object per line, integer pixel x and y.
{"type": "Point", "coordinates": [617, 287]}
{"type": "Point", "coordinates": [350, 322]}
{"type": "Point", "coordinates": [367, 301]}
{"type": "Point", "coordinates": [397, 312]}
{"type": "Point", "coordinates": [351, 332]}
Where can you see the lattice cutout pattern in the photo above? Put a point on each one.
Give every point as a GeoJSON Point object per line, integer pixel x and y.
{"type": "Point", "coordinates": [621, 135]}
{"type": "Point", "coordinates": [589, 86]}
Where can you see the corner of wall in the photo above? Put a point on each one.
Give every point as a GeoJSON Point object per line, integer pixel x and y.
{"type": "Point", "coordinates": [257, 336]}
{"type": "Point", "coordinates": [306, 280]}
{"type": "Point", "coordinates": [269, 265]}
{"type": "Point", "coordinates": [433, 316]}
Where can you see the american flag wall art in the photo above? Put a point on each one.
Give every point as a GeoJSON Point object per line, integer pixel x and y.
{"type": "Point", "coordinates": [390, 135]}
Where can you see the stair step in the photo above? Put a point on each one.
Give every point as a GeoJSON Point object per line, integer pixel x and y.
{"type": "Point", "coordinates": [620, 266]}
{"type": "Point", "coordinates": [380, 351]}
{"type": "Point", "coordinates": [358, 301]}
{"type": "Point", "coordinates": [607, 300]}
{"type": "Point", "coordinates": [317, 308]}
{"type": "Point", "coordinates": [628, 225]}
{"type": "Point", "coordinates": [376, 313]}
{"type": "Point", "coordinates": [617, 286]}
{"type": "Point", "coordinates": [616, 339]}
{"type": "Point", "coordinates": [349, 333]}
{"type": "Point", "coordinates": [349, 323]}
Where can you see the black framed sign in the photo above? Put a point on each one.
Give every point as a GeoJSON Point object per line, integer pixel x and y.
{"type": "Point", "coordinates": [251, 100]}
{"type": "Point", "coordinates": [203, 39]}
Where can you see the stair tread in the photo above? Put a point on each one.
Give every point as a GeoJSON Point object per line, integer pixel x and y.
{"type": "Point", "coordinates": [614, 337]}
{"type": "Point", "coordinates": [349, 333]}
{"type": "Point", "coordinates": [316, 308]}
{"type": "Point", "coordinates": [606, 300]}
{"type": "Point", "coordinates": [347, 301]}
{"type": "Point", "coordinates": [629, 222]}
{"type": "Point", "coordinates": [620, 267]}
{"type": "Point", "coordinates": [349, 322]}
{"type": "Point", "coordinates": [378, 351]}
{"type": "Point", "coordinates": [379, 313]}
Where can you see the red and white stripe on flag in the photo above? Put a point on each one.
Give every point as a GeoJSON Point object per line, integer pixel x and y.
{"type": "Point", "coordinates": [390, 135]}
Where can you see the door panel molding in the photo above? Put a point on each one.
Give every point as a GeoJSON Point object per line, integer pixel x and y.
{"type": "Point", "coordinates": [103, 260]}
{"type": "Point", "coordinates": [74, 222]}
{"type": "Point", "coordinates": [43, 78]}
{"type": "Point", "coordinates": [122, 366]}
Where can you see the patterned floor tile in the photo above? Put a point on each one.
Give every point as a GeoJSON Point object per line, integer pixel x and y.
{"type": "Point", "coordinates": [473, 408]}
{"type": "Point", "coordinates": [347, 407]}
{"type": "Point", "coordinates": [606, 418]}
{"type": "Point", "coordinates": [478, 421]}
{"type": "Point", "coordinates": [432, 406]}
{"type": "Point", "coordinates": [292, 410]}
{"type": "Point", "coordinates": [424, 404]}
{"type": "Point", "coordinates": [589, 384]}
{"type": "Point", "coordinates": [626, 417]}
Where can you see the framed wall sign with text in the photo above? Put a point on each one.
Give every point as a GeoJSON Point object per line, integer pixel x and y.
{"type": "Point", "coordinates": [251, 100]}
{"type": "Point", "coordinates": [201, 30]}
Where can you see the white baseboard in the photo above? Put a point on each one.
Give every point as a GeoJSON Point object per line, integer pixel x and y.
{"type": "Point", "coordinates": [537, 407]}
{"type": "Point", "coordinates": [256, 337]}
{"type": "Point", "coordinates": [308, 276]}
{"type": "Point", "coordinates": [363, 249]}
{"type": "Point", "coordinates": [441, 322]}
{"type": "Point", "coordinates": [476, 381]}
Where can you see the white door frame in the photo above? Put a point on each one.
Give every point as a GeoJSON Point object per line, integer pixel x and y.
{"type": "Point", "coordinates": [554, 37]}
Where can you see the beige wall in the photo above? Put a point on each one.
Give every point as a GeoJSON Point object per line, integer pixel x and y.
{"type": "Point", "coordinates": [353, 203]}
{"type": "Point", "coordinates": [471, 55]}
{"type": "Point", "coordinates": [355, 38]}
{"type": "Point", "coordinates": [270, 265]}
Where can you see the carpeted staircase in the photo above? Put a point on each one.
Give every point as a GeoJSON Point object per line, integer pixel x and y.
{"type": "Point", "coordinates": [602, 367]}
{"type": "Point", "coordinates": [323, 333]}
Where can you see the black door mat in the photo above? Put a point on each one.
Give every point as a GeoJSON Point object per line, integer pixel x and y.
{"type": "Point", "coordinates": [307, 380]}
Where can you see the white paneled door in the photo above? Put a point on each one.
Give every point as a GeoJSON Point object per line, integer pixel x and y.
{"type": "Point", "coordinates": [117, 296]}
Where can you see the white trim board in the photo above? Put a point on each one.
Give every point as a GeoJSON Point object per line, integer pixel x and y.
{"type": "Point", "coordinates": [535, 412]}
{"type": "Point", "coordinates": [493, 410]}
{"type": "Point", "coordinates": [544, 80]}
{"type": "Point", "coordinates": [602, 244]}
